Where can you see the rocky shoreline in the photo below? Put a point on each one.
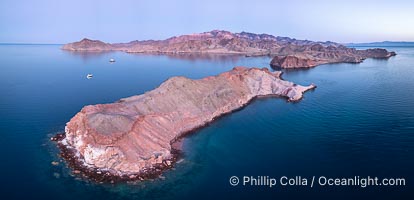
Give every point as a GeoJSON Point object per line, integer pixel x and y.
{"type": "Point", "coordinates": [98, 175]}
{"type": "Point", "coordinates": [96, 146]}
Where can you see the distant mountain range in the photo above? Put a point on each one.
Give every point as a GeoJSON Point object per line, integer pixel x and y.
{"type": "Point", "coordinates": [287, 52]}
{"type": "Point", "coordinates": [216, 41]}
{"type": "Point", "coordinates": [382, 44]}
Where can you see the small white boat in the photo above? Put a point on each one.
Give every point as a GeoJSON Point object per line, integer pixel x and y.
{"type": "Point", "coordinates": [111, 60]}
{"type": "Point", "coordinates": [89, 76]}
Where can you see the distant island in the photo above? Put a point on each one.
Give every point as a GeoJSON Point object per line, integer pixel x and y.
{"type": "Point", "coordinates": [382, 44]}
{"type": "Point", "coordinates": [137, 137]}
{"type": "Point", "coordinates": [286, 52]}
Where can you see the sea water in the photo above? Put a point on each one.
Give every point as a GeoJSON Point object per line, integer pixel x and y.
{"type": "Point", "coordinates": [358, 122]}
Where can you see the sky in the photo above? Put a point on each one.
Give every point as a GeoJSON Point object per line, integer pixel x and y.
{"type": "Point", "coordinates": [54, 21]}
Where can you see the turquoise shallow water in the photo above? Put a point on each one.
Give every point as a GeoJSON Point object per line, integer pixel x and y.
{"type": "Point", "coordinates": [358, 122]}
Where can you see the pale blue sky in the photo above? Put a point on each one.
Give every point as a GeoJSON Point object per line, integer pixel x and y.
{"type": "Point", "coordinates": [53, 21]}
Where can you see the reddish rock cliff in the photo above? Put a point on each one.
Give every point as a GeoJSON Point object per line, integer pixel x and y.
{"type": "Point", "coordinates": [292, 62]}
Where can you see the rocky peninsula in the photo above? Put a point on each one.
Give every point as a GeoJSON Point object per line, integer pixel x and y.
{"type": "Point", "coordinates": [287, 52]}
{"type": "Point", "coordinates": [137, 137]}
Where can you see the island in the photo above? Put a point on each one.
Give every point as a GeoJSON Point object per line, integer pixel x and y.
{"type": "Point", "coordinates": [286, 52]}
{"type": "Point", "coordinates": [382, 44]}
{"type": "Point", "coordinates": [136, 138]}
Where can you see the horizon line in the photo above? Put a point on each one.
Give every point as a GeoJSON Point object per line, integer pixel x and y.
{"type": "Point", "coordinates": [41, 43]}
{"type": "Point", "coordinates": [23, 43]}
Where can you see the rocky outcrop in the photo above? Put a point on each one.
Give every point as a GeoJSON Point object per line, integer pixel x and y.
{"type": "Point", "coordinates": [135, 135]}
{"type": "Point", "coordinates": [317, 54]}
{"type": "Point", "coordinates": [88, 45]}
{"type": "Point", "coordinates": [377, 53]}
{"type": "Point", "coordinates": [292, 62]}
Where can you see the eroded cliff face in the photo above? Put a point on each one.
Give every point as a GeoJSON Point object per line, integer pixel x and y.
{"type": "Point", "coordinates": [136, 133]}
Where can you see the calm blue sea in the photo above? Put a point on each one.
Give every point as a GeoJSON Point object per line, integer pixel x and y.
{"type": "Point", "coordinates": [358, 122]}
